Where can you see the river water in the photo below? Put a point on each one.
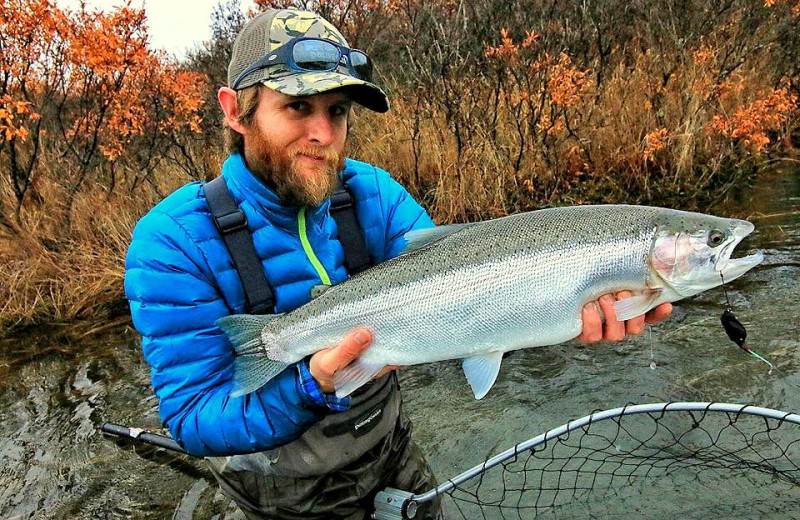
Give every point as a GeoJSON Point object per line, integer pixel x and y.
{"type": "Point", "coordinates": [57, 390]}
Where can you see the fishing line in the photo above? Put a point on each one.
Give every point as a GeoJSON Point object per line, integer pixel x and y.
{"type": "Point", "coordinates": [653, 364]}
{"type": "Point", "coordinates": [736, 331]}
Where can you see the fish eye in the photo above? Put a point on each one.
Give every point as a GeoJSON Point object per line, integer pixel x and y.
{"type": "Point", "coordinates": [716, 238]}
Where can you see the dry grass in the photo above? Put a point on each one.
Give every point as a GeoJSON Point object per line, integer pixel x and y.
{"type": "Point", "coordinates": [632, 139]}
{"type": "Point", "coordinates": [51, 276]}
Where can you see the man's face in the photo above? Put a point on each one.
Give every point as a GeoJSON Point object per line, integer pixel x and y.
{"type": "Point", "coordinates": [298, 144]}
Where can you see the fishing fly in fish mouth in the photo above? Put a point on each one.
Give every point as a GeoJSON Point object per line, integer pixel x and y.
{"type": "Point", "coordinates": [476, 291]}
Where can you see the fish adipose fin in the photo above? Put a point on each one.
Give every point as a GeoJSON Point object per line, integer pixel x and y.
{"type": "Point", "coordinates": [348, 379]}
{"type": "Point", "coordinates": [425, 237]}
{"type": "Point", "coordinates": [252, 368]}
{"type": "Point", "coordinates": [636, 305]}
{"type": "Point", "coordinates": [481, 372]}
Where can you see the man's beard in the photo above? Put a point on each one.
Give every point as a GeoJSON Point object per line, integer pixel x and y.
{"type": "Point", "coordinates": [279, 168]}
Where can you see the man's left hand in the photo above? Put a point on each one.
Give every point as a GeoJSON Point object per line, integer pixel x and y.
{"type": "Point", "coordinates": [600, 320]}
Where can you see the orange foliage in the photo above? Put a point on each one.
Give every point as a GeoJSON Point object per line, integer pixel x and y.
{"type": "Point", "coordinates": [703, 56]}
{"type": "Point", "coordinates": [27, 35]}
{"type": "Point", "coordinates": [654, 142]}
{"type": "Point", "coordinates": [506, 50]}
{"type": "Point", "coordinates": [566, 84]}
{"type": "Point", "coordinates": [111, 75]}
{"type": "Point", "coordinates": [28, 32]}
{"type": "Point", "coordinates": [12, 116]}
{"type": "Point", "coordinates": [750, 124]}
{"type": "Point", "coordinates": [795, 5]}
{"type": "Point", "coordinates": [98, 60]}
{"type": "Point", "coordinates": [182, 90]}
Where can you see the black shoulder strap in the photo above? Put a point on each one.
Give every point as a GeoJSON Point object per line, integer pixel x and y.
{"type": "Point", "coordinates": [231, 222]}
{"type": "Point", "coordinates": [343, 212]}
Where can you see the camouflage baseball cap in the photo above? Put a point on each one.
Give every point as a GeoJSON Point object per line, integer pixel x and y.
{"type": "Point", "coordinates": [275, 27]}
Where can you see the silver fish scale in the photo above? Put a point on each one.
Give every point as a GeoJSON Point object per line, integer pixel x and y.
{"type": "Point", "coordinates": [500, 285]}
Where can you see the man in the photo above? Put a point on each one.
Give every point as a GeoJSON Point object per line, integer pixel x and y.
{"type": "Point", "coordinates": [290, 449]}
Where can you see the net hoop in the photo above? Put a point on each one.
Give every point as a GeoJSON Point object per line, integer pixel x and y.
{"type": "Point", "coordinates": [738, 409]}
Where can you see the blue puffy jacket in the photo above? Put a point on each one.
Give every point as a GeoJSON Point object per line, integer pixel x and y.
{"type": "Point", "coordinates": [180, 279]}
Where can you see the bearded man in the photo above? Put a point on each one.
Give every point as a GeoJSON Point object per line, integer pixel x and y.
{"type": "Point", "coordinates": [290, 449]}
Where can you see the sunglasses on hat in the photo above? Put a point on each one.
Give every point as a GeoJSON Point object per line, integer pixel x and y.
{"type": "Point", "coordinates": [313, 55]}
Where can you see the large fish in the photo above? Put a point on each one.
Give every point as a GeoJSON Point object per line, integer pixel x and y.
{"type": "Point", "coordinates": [475, 291]}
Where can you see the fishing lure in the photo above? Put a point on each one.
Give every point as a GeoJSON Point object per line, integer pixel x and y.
{"type": "Point", "coordinates": [736, 331]}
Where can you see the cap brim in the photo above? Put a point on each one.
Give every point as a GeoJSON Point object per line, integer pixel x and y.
{"type": "Point", "coordinates": [309, 83]}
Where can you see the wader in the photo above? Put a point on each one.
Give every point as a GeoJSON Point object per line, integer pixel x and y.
{"type": "Point", "coordinates": [335, 469]}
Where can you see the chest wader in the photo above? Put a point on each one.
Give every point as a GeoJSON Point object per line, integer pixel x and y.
{"type": "Point", "coordinates": [337, 466]}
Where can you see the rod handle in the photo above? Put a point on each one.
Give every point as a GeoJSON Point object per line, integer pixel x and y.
{"type": "Point", "coordinates": [143, 436]}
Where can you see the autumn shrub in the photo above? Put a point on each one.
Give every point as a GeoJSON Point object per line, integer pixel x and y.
{"type": "Point", "coordinates": [497, 107]}
{"type": "Point", "coordinates": [501, 107]}
{"type": "Point", "coordinates": [94, 128]}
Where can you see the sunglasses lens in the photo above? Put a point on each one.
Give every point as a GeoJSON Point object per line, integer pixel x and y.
{"type": "Point", "coordinates": [361, 64]}
{"type": "Point", "coordinates": [315, 55]}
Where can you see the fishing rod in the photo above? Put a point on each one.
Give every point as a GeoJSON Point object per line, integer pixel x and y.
{"type": "Point", "coordinates": [141, 435]}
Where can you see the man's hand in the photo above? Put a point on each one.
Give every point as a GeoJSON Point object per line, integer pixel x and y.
{"type": "Point", "coordinates": [325, 363]}
{"type": "Point", "coordinates": [605, 327]}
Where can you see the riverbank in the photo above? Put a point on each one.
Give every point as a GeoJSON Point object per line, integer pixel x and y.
{"type": "Point", "coordinates": [496, 109]}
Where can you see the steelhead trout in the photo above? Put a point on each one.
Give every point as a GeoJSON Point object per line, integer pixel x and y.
{"type": "Point", "coordinates": [475, 291]}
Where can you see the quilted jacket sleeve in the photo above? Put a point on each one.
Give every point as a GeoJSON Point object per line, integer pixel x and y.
{"type": "Point", "coordinates": [174, 302]}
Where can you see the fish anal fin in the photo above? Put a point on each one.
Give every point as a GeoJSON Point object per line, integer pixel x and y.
{"type": "Point", "coordinates": [481, 371]}
{"type": "Point", "coordinates": [636, 305]}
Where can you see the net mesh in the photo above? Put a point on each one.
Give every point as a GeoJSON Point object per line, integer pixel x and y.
{"type": "Point", "coordinates": [658, 464]}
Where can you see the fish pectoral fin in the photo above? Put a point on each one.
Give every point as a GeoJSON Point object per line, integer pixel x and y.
{"type": "Point", "coordinates": [481, 371]}
{"type": "Point", "coordinates": [636, 305]}
{"type": "Point", "coordinates": [348, 379]}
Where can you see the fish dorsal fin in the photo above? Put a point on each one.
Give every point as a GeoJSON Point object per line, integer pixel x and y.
{"type": "Point", "coordinates": [481, 371]}
{"type": "Point", "coordinates": [318, 290]}
{"type": "Point", "coordinates": [424, 237]}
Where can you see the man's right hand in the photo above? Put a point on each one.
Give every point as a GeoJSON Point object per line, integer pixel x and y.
{"type": "Point", "coordinates": [325, 363]}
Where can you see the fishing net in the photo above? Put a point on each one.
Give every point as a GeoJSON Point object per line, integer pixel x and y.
{"type": "Point", "coordinates": [693, 460]}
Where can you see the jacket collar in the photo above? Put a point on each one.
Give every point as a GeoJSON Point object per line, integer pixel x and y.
{"type": "Point", "coordinates": [246, 187]}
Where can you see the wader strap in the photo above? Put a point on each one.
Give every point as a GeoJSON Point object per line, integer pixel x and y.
{"type": "Point", "coordinates": [231, 223]}
{"type": "Point", "coordinates": [343, 212]}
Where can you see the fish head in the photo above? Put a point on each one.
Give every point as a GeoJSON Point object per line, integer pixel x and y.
{"type": "Point", "coordinates": [691, 252]}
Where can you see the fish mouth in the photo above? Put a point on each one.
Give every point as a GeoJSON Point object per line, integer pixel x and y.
{"type": "Point", "coordinates": [732, 268]}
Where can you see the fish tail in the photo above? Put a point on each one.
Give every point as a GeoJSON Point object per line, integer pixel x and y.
{"type": "Point", "coordinates": [254, 365]}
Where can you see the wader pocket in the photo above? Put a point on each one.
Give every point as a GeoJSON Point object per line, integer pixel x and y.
{"type": "Point", "coordinates": [358, 426]}
{"type": "Point", "coordinates": [336, 441]}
